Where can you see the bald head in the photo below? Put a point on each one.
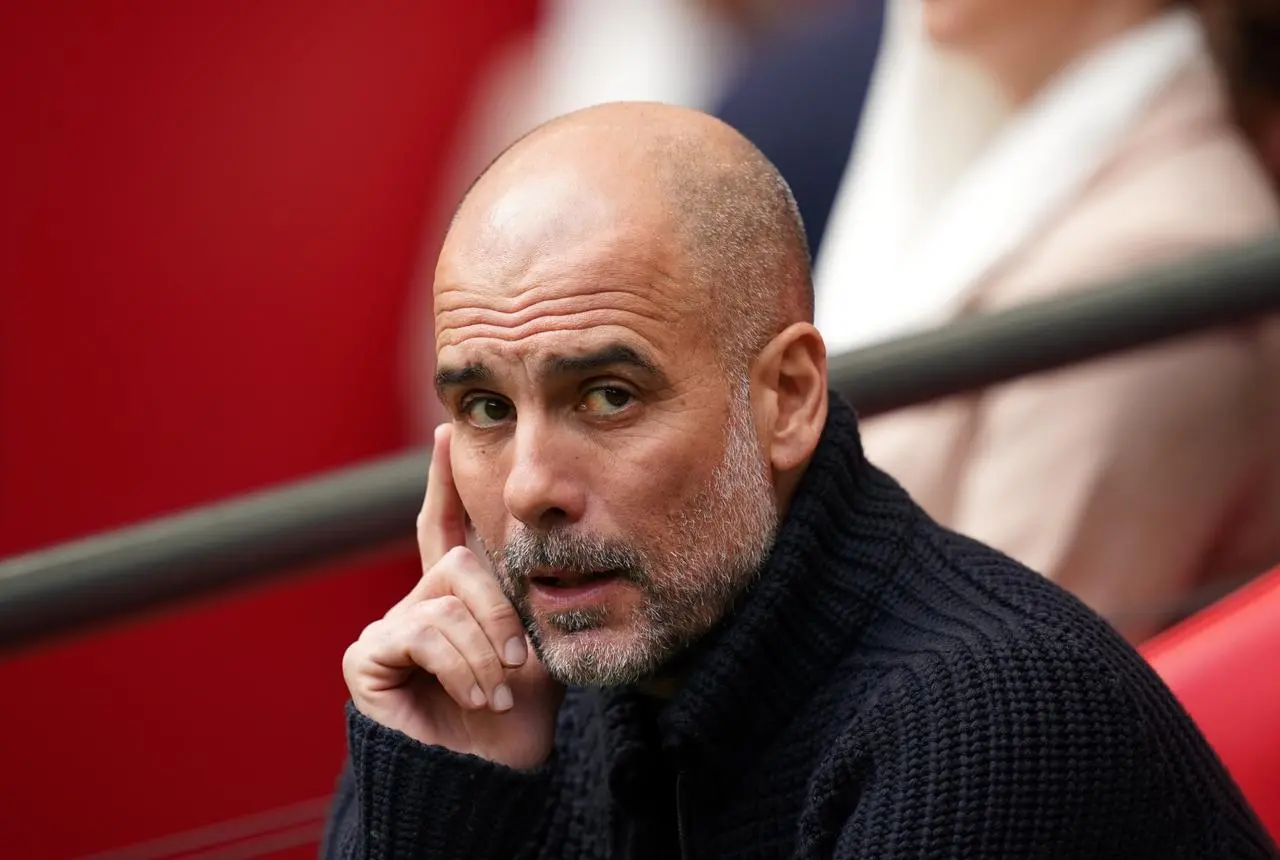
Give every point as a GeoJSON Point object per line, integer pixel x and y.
{"type": "Point", "coordinates": [736, 241]}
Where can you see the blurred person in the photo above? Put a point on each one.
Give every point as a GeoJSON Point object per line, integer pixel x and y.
{"type": "Point", "coordinates": [697, 621]}
{"type": "Point", "coordinates": [585, 52]}
{"type": "Point", "coordinates": [800, 98]}
{"type": "Point", "coordinates": [1015, 151]}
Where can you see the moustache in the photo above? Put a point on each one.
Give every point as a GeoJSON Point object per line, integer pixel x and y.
{"type": "Point", "coordinates": [574, 553]}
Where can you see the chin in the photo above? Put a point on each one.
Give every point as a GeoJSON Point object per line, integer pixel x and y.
{"type": "Point", "coordinates": [601, 656]}
{"type": "Point", "coordinates": [944, 24]}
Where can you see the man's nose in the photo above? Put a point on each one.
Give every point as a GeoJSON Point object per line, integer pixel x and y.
{"type": "Point", "coordinates": [542, 488]}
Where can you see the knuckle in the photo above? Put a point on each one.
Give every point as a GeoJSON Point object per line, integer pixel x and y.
{"type": "Point", "coordinates": [352, 658]}
{"type": "Point", "coordinates": [503, 614]}
{"type": "Point", "coordinates": [372, 634]}
{"type": "Point", "coordinates": [487, 664]}
{"type": "Point", "coordinates": [457, 667]}
{"type": "Point", "coordinates": [433, 582]}
{"type": "Point", "coordinates": [449, 667]}
{"type": "Point", "coordinates": [450, 609]}
{"type": "Point", "coordinates": [449, 566]}
{"type": "Point", "coordinates": [392, 634]}
{"type": "Point", "coordinates": [457, 557]}
{"type": "Point", "coordinates": [429, 641]}
{"type": "Point", "coordinates": [431, 637]}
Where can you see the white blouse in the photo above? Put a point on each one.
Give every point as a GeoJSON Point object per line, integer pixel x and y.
{"type": "Point", "coordinates": [945, 182]}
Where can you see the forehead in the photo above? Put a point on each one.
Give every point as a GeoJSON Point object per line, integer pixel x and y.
{"type": "Point", "coordinates": [554, 259]}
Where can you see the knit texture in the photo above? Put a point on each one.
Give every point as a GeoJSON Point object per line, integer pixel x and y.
{"type": "Point", "coordinates": [888, 689]}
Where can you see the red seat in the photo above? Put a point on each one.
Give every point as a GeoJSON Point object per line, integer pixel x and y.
{"type": "Point", "coordinates": [1221, 664]}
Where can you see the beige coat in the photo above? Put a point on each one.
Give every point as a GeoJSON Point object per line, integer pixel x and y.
{"type": "Point", "coordinates": [1135, 482]}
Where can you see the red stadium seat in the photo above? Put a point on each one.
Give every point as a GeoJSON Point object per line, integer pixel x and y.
{"type": "Point", "coordinates": [1221, 664]}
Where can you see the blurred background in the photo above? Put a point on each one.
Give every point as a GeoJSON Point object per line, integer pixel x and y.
{"type": "Point", "coordinates": [218, 223]}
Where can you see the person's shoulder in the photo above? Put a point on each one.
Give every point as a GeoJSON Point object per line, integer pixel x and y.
{"type": "Point", "coordinates": [998, 701]}
{"type": "Point", "coordinates": [1000, 656]}
{"type": "Point", "coordinates": [1188, 168]}
{"type": "Point", "coordinates": [968, 624]}
{"type": "Point", "coordinates": [1183, 182]}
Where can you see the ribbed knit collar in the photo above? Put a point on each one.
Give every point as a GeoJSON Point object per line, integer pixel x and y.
{"type": "Point", "coordinates": [839, 544]}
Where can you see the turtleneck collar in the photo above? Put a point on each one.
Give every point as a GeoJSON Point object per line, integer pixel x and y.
{"type": "Point", "coordinates": [839, 543]}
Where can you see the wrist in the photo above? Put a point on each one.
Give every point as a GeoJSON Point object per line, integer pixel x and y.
{"type": "Point", "coordinates": [403, 784]}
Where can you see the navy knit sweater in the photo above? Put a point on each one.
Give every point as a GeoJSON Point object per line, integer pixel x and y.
{"type": "Point", "coordinates": [889, 689]}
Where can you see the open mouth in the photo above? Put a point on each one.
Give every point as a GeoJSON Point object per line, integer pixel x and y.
{"type": "Point", "coordinates": [570, 578]}
{"type": "Point", "coordinates": [571, 590]}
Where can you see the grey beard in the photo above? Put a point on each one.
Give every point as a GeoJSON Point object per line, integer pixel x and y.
{"type": "Point", "coordinates": [578, 620]}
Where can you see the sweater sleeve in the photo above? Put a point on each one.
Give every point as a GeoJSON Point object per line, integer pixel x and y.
{"type": "Point", "coordinates": [1052, 758]}
{"type": "Point", "coordinates": [399, 799]}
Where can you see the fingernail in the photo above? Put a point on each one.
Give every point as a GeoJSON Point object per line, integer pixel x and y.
{"type": "Point", "coordinates": [515, 651]}
{"type": "Point", "coordinates": [477, 696]}
{"type": "Point", "coordinates": [502, 700]}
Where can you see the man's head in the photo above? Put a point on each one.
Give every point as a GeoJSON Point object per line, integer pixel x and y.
{"type": "Point", "coordinates": [624, 341]}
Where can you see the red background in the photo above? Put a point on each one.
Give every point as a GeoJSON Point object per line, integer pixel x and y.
{"type": "Point", "coordinates": [210, 216]}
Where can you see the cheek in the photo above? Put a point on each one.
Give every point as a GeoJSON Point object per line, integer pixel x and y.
{"type": "Point", "coordinates": [648, 481]}
{"type": "Point", "coordinates": [480, 488]}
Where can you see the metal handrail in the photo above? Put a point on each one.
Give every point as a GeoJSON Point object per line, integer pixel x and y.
{"type": "Point", "coordinates": [245, 541]}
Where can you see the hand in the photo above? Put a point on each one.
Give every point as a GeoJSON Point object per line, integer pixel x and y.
{"type": "Point", "coordinates": [450, 663]}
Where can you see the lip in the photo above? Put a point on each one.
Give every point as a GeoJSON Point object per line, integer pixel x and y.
{"type": "Point", "coordinates": [560, 598]}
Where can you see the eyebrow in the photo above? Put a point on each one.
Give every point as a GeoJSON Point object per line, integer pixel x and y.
{"type": "Point", "coordinates": [454, 377]}
{"type": "Point", "coordinates": [612, 355]}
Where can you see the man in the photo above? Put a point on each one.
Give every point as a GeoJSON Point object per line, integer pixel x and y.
{"type": "Point", "coordinates": [743, 640]}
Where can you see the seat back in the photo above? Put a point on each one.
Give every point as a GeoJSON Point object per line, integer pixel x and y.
{"type": "Point", "coordinates": [1221, 664]}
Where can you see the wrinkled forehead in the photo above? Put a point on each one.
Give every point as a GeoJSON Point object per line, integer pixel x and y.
{"type": "Point", "coordinates": [560, 252]}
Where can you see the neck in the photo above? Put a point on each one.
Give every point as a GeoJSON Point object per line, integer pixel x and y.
{"type": "Point", "coordinates": [1022, 66]}
{"type": "Point", "coordinates": [785, 484]}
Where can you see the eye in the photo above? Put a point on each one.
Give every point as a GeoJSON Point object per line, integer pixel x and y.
{"type": "Point", "coordinates": [486, 412]}
{"type": "Point", "coordinates": [606, 400]}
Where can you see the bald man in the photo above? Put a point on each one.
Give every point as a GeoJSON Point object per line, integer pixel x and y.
{"type": "Point", "coordinates": [668, 609]}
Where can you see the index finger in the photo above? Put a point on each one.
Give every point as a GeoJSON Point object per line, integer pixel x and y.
{"type": "Point", "coordinates": [442, 522]}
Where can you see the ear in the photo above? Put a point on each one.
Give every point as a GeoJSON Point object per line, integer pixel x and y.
{"type": "Point", "coordinates": [789, 395]}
